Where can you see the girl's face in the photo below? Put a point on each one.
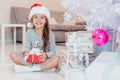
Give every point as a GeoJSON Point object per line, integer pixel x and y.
{"type": "Point", "coordinates": [39, 20]}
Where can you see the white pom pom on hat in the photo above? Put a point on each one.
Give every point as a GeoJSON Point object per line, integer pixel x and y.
{"type": "Point", "coordinates": [39, 9]}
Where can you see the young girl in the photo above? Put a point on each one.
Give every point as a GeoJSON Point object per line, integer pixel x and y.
{"type": "Point", "coordinates": [39, 16]}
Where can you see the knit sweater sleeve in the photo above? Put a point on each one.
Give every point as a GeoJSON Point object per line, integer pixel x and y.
{"type": "Point", "coordinates": [28, 46]}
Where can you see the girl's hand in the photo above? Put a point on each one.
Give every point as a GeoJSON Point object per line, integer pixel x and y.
{"type": "Point", "coordinates": [25, 53]}
{"type": "Point", "coordinates": [43, 57]}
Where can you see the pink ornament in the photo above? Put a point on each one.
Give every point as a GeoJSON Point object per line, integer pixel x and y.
{"type": "Point", "coordinates": [100, 37]}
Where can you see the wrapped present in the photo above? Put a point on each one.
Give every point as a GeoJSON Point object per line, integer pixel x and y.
{"type": "Point", "coordinates": [79, 42]}
{"type": "Point", "coordinates": [34, 55]}
{"type": "Point", "coordinates": [105, 67]}
{"type": "Point", "coordinates": [33, 58]}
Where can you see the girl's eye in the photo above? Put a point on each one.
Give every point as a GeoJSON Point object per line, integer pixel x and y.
{"type": "Point", "coordinates": [35, 16]}
{"type": "Point", "coordinates": [42, 17]}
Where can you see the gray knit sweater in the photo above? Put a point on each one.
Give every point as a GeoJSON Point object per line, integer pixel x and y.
{"type": "Point", "coordinates": [32, 37]}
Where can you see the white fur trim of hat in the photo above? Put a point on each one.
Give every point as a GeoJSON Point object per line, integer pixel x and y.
{"type": "Point", "coordinates": [39, 10]}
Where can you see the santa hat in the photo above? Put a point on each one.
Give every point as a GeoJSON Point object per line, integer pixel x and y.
{"type": "Point", "coordinates": [39, 9]}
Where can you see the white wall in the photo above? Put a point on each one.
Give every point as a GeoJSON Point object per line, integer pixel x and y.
{"type": "Point", "coordinates": [5, 6]}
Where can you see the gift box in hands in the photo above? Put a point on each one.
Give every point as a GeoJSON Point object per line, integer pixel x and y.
{"type": "Point", "coordinates": [34, 56]}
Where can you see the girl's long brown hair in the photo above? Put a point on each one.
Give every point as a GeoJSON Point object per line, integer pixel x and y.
{"type": "Point", "coordinates": [45, 35]}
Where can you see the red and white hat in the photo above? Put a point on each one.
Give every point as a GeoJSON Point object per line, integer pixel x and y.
{"type": "Point", "coordinates": [39, 9]}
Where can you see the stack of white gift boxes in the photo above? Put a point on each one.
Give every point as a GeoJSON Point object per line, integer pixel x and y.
{"type": "Point", "coordinates": [79, 44]}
